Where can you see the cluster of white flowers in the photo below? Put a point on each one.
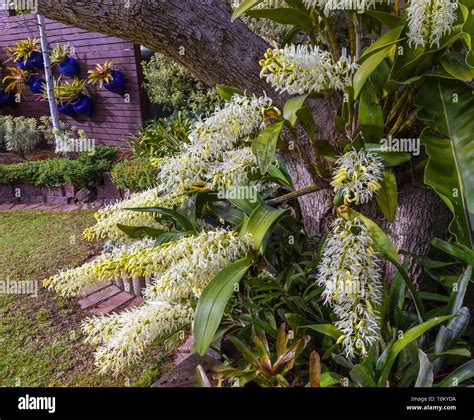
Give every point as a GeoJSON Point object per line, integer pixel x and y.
{"type": "Point", "coordinates": [179, 270]}
{"type": "Point", "coordinates": [299, 69]}
{"type": "Point", "coordinates": [350, 276]}
{"type": "Point", "coordinates": [429, 20]}
{"type": "Point", "coordinates": [357, 176]}
{"type": "Point", "coordinates": [72, 282]}
{"type": "Point", "coordinates": [122, 337]}
{"type": "Point", "coordinates": [108, 217]}
{"type": "Point", "coordinates": [330, 5]}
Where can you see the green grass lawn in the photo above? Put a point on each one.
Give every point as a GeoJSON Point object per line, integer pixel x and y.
{"type": "Point", "coordinates": [40, 337]}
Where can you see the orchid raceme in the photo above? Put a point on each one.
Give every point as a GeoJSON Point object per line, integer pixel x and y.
{"type": "Point", "coordinates": [357, 176]}
{"type": "Point", "coordinates": [122, 337]}
{"type": "Point", "coordinates": [71, 282]}
{"type": "Point", "coordinates": [350, 276]}
{"type": "Point", "coordinates": [180, 270]}
{"type": "Point", "coordinates": [429, 21]}
{"type": "Point", "coordinates": [299, 69]}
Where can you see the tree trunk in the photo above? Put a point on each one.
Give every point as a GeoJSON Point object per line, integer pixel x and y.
{"type": "Point", "coordinates": [199, 35]}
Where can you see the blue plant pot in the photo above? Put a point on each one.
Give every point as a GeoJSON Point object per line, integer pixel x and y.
{"type": "Point", "coordinates": [66, 108]}
{"type": "Point", "coordinates": [82, 105]}
{"type": "Point", "coordinates": [6, 99]}
{"type": "Point", "coordinates": [36, 84]}
{"type": "Point", "coordinates": [69, 67]}
{"type": "Point", "coordinates": [36, 60]}
{"type": "Point", "coordinates": [24, 66]}
{"type": "Point", "coordinates": [117, 84]}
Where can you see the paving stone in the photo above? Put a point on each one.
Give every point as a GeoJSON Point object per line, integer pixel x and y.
{"type": "Point", "coordinates": [19, 206]}
{"type": "Point", "coordinates": [32, 206]}
{"type": "Point", "coordinates": [55, 199]}
{"type": "Point", "coordinates": [112, 304]}
{"type": "Point", "coordinates": [68, 208]}
{"type": "Point", "coordinates": [94, 287]}
{"type": "Point", "coordinates": [99, 296]}
{"type": "Point", "coordinates": [7, 206]}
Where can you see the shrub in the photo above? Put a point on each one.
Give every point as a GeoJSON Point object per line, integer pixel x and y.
{"type": "Point", "coordinates": [136, 175]}
{"type": "Point", "coordinates": [162, 137]}
{"type": "Point", "coordinates": [21, 135]}
{"type": "Point", "coordinates": [174, 87]}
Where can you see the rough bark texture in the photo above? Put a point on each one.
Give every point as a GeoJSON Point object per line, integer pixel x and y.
{"type": "Point", "coordinates": [199, 35]}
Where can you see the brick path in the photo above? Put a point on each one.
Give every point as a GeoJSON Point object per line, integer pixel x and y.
{"type": "Point", "coordinates": [49, 207]}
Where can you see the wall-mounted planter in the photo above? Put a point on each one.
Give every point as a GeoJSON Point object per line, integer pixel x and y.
{"type": "Point", "coordinates": [117, 84]}
{"type": "Point", "coordinates": [82, 105]}
{"type": "Point", "coordinates": [66, 108]}
{"type": "Point", "coordinates": [36, 84]}
{"type": "Point", "coordinates": [24, 66]}
{"type": "Point", "coordinates": [127, 284]}
{"type": "Point", "coordinates": [138, 285]}
{"type": "Point", "coordinates": [119, 282]}
{"type": "Point", "coordinates": [6, 98]}
{"type": "Point", "coordinates": [69, 67]}
{"type": "Point", "coordinates": [36, 60]}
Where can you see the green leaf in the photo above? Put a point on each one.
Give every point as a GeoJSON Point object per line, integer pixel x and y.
{"type": "Point", "coordinates": [459, 291]}
{"type": "Point", "coordinates": [264, 146]}
{"type": "Point", "coordinates": [326, 329]}
{"type": "Point", "coordinates": [397, 295]}
{"type": "Point", "coordinates": [285, 16]}
{"type": "Point", "coordinates": [386, 40]}
{"type": "Point", "coordinates": [166, 237]}
{"type": "Point", "coordinates": [246, 205]}
{"type": "Point", "coordinates": [405, 340]}
{"type": "Point", "coordinates": [446, 106]}
{"type": "Point", "coordinates": [385, 18]}
{"type": "Point", "coordinates": [260, 225]}
{"type": "Point", "coordinates": [463, 253]}
{"type": "Point", "coordinates": [454, 63]}
{"type": "Point", "coordinates": [213, 301]}
{"type": "Point", "coordinates": [466, 7]}
{"type": "Point", "coordinates": [425, 374]}
{"type": "Point", "coordinates": [243, 7]}
{"type": "Point", "coordinates": [389, 158]}
{"type": "Point", "coordinates": [139, 232]}
{"type": "Point", "coordinates": [227, 92]}
{"type": "Point", "coordinates": [387, 196]}
{"type": "Point", "coordinates": [362, 377]}
{"type": "Point", "coordinates": [461, 374]}
{"type": "Point", "coordinates": [292, 106]}
{"type": "Point", "coordinates": [174, 215]}
{"type": "Point", "coordinates": [366, 69]}
{"type": "Point", "coordinates": [370, 115]}
{"type": "Point", "coordinates": [201, 378]}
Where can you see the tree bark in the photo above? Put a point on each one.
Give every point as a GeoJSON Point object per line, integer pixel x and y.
{"type": "Point", "coordinates": [199, 35]}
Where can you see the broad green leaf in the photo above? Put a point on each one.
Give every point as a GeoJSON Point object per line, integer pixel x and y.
{"type": "Point", "coordinates": [260, 225]}
{"type": "Point", "coordinates": [467, 6]}
{"type": "Point", "coordinates": [227, 92]}
{"type": "Point", "coordinates": [243, 7]}
{"type": "Point", "coordinates": [166, 237]}
{"type": "Point", "coordinates": [458, 376]}
{"type": "Point", "coordinates": [370, 115]}
{"type": "Point", "coordinates": [228, 214]}
{"type": "Point", "coordinates": [246, 205]}
{"type": "Point", "coordinates": [277, 173]}
{"type": "Point", "coordinates": [387, 196]}
{"type": "Point", "coordinates": [389, 158]}
{"type": "Point", "coordinates": [385, 18]}
{"type": "Point", "coordinates": [201, 378]}
{"type": "Point", "coordinates": [397, 295]}
{"type": "Point", "coordinates": [174, 215]}
{"type": "Point", "coordinates": [366, 69]}
{"type": "Point", "coordinates": [454, 63]}
{"type": "Point", "coordinates": [139, 232]}
{"type": "Point", "coordinates": [459, 291]}
{"type": "Point", "coordinates": [264, 145]}
{"type": "Point", "coordinates": [362, 377]}
{"type": "Point", "coordinates": [285, 16]}
{"type": "Point", "coordinates": [466, 255]}
{"type": "Point", "coordinates": [386, 40]}
{"type": "Point", "coordinates": [326, 329]}
{"type": "Point", "coordinates": [292, 106]}
{"type": "Point", "coordinates": [402, 342]}
{"type": "Point", "coordinates": [213, 301]}
{"type": "Point", "coordinates": [425, 374]}
{"type": "Point", "coordinates": [328, 379]}
{"type": "Point", "coordinates": [446, 106]}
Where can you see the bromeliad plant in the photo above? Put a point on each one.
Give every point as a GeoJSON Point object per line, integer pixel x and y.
{"type": "Point", "coordinates": [259, 271]}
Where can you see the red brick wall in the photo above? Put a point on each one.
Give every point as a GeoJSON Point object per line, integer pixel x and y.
{"type": "Point", "coordinates": [113, 118]}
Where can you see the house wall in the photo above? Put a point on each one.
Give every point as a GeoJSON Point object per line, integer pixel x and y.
{"type": "Point", "coordinates": [114, 118]}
